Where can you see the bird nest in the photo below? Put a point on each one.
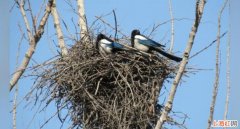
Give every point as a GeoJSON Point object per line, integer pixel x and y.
{"type": "Point", "coordinates": [115, 91]}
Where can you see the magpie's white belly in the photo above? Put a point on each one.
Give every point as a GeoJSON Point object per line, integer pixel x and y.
{"type": "Point", "coordinates": [139, 46]}
{"type": "Point", "coordinates": [104, 48]}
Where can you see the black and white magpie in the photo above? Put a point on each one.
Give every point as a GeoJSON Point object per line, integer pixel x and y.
{"type": "Point", "coordinates": [107, 45]}
{"type": "Point", "coordinates": [145, 44]}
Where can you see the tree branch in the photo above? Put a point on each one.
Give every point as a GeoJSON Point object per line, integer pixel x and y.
{"type": "Point", "coordinates": [216, 83]}
{"type": "Point", "coordinates": [228, 71]}
{"type": "Point", "coordinates": [21, 7]}
{"type": "Point", "coordinates": [33, 40]}
{"type": "Point", "coordinates": [168, 107]}
{"type": "Point", "coordinates": [172, 26]}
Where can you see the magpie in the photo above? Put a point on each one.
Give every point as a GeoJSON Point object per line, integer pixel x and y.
{"type": "Point", "coordinates": [145, 44]}
{"type": "Point", "coordinates": [107, 45]}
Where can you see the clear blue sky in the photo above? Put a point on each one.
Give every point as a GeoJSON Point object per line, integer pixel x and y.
{"type": "Point", "coordinates": [194, 92]}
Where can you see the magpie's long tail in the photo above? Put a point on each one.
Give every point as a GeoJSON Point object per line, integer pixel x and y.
{"type": "Point", "coordinates": [170, 56]}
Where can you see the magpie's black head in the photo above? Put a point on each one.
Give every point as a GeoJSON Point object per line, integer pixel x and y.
{"type": "Point", "coordinates": [99, 37]}
{"type": "Point", "coordinates": [134, 32]}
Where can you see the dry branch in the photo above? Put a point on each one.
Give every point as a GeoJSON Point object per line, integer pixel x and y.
{"type": "Point", "coordinates": [33, 40]}
{"type": "Point", "coordinates": [168, 107]}
{"type": "Point", "coordinates": [216, 82]}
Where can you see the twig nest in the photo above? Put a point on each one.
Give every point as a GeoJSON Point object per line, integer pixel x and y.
{"type": "Point", "coordinates": [116, 91]}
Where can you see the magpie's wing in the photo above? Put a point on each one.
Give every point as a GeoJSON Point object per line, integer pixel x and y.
{"type": "Point", "coordinates": [149, 42]}
{"type": "Point", "coordinates": [117, 45]}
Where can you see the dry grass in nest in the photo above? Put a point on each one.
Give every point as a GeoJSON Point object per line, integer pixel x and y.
{"type": "Point", "coordinates": [117, 91]}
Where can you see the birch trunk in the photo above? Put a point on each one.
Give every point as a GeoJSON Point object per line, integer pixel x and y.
{"type": "Point", "coordinates": [57, 26]}
{"type": "Point", "coordinates": [168, 107]}
{"type": "Point", "coordinates": [82, 20]}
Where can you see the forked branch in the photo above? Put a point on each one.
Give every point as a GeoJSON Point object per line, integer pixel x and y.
{"type": "Point", "coordinates": [33, 40]}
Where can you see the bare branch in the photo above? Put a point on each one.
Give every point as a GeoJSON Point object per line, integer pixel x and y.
{"type": "Point", "coordinates": [16, 89]}
{"type": "Point", "coordinates": [172, 26]}
{"type": "Point", "coordinates": [32, 17]}
{"type": "Point", "coordinates": [168, 107]}
{"type": "Point", "coordinates": [209, 45]}
{"type": "Point", "coordinates": [21, 7]}
{"type": "Point", "coordinates": [228, 72]}
{"type": "Point", "coordinates": [109, 25]}
{"type": "Point", "coordinates": [216, 83]}
{"type": "Point", "coordinates": [115, 20]}
{"type": "Point", "coordinates": [58, 28]}
{"type": "Point", "coordinates": [33, 40]}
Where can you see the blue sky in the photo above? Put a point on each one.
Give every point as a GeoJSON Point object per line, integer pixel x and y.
{"type": "Point", "coordinates": [194, 92]}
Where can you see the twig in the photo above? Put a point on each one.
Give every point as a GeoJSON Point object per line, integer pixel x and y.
{"type": "Point", "coordinates": [168, 107]}
{"type": "Point", "coordinates": [53, 115]}
{"type": "Point", "coordinates": [216, 82]}
{"type": "Point", "coordinates": [99, 18]}
{"type": "Point", "coordinates": [165, 22]}
{"type": "Point", "coordinates": [40, 10]}
{"type": "Point", "coordinates": [205, 48]}
{"type": "Point", "coordinates": [98, 86]}
{"type": "Point", "coordinates": [115, 21]}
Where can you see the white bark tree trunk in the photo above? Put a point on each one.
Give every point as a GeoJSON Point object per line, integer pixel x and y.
{"type": "Point", "coordinates": [82, 20]}
{"type": "Point", "coordinates": [57, 26]}
{"type": "Point", "coordinates": [168, 107]}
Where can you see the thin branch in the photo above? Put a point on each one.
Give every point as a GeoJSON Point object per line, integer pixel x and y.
{"type": "Point", "coordinates": [168, 107]}
{"type": "Point", "coordinates": [33, 40]}
{"type": "Point", "coordinates": [115, 21]}
{"type": "Point", "coordinates": [155, 27]}
{"type": "Point", "coordinates": [228, 71]}
{"type": "Point", "coordinates": [82, 19]}
{"type": "Point", "coordinates": [216, 83]}
{"type": "Point", "coordinates": [16, 90]}
{"type": "Point", "coordinates": [32, 17]}
{"type": "Point", "coordinates": [40, 10]}
{"type": "Point", "coordinates": [109, 25]}
{"type": "Point", "coordinates": [21, 7]}
{"type": "Point", "coordinates": [205, 48]}
{"type": "Point", "coordinates": [58, 28]}
{"type": "Point", "coordinates": [172, 26]}
{"type": "Point", "coordinates": [56, 113]}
